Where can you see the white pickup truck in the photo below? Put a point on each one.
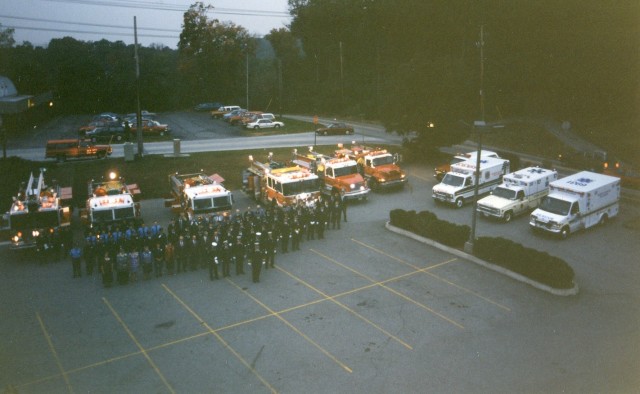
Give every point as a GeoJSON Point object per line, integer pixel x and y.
{"type": "Point", "coordinates": [520, 192]}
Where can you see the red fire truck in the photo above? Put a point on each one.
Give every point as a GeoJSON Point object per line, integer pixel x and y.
{"type": "Point", "coordinates": [38, 210]}
{"type": "Point", "coordinates": [285, 183]}
{"type": "Point", "coordinates": [338, 175]}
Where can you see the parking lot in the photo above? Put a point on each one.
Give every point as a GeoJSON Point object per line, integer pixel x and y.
{"type": "Point", "coordinates": [363, 310]}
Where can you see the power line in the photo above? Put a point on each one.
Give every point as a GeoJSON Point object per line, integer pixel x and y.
{"type": "Point", "coordinates": [174, 7]}
{"type": "Point", "coordinates": [88, 24]}
{"type": "Point", "coordinates": [91, 32]}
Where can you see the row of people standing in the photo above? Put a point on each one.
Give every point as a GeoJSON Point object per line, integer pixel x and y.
{"type": "Point", "coordinates": [213, 242]}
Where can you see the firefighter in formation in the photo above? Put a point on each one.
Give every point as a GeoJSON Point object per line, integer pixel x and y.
{"type": "Point", "coordinates": [126, 253]}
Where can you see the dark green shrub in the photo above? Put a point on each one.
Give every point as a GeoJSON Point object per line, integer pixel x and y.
{"type": "Point", "coordinates": [538, 266]}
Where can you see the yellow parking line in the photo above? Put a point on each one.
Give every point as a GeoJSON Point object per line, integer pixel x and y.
{"type": "Point", "coordinates": [55, 354]}
{"type": "Point", "coordinates": [433, 275]}
{"type": "Point", "coordinates": [135, 340]}
{"type": "Point", "coordinates": [291, 326]}
{"type": "Point", "coordinates": [329, 298]}
{"type": "Point", "coordinates": [440, 315]}
{"type": "Point", "coordinates": [219, 338]}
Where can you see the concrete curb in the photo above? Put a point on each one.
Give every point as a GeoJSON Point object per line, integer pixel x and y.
{"type": "Point", "coordinates": [466, 256]}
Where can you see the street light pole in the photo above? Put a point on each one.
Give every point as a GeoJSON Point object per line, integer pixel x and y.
{"type": "Point", "coordinates": [478, 127]}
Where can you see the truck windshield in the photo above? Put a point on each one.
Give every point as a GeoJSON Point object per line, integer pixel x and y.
{"type": "Point", "coordinates": [504, 193]}
{"type": "Point", "coordinates": [453, 180]}
{"type": "Point", "coordinates": [202, 203]}
{"type": "Point", "coordinates": [379, 161]}
{"type": "Point", "coordinates": [553, 205]}
{"type": "Point", "coordinates": [348, 170]}
{"type": "Point", "coordinates": [123, 213]}
{"type": "Point", "coordinates": [294, 188]}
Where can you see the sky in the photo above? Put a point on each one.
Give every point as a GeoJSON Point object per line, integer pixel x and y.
{"type": "Point", "coordinates": [158, 21]}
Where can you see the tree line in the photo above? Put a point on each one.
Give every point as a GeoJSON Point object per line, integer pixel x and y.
{"type": "Point", "coordinates": [407, 63]}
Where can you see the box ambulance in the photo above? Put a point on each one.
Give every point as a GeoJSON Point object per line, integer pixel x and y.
{"type": "Point", "coordinates": [577, 202]}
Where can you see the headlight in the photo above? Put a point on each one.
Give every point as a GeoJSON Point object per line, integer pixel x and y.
{"type": "Point", "coordinates": [15, 238]}
{"type": "Point", "coordinates": [382, 180]}
{"type": "Point", "coordinates": [353, 186]}
{"type": "Point", "coordinates": [35, 233]}
{"type": "Point", "coordinates": [362, 187]}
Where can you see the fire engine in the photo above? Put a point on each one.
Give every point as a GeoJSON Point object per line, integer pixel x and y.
{"type": "Point", "coordinates": [111, 201]}
{"type": "Point", "coordinates": [286, 184]}
{"type": "Point", "coordinates": [37, 209]}
{"type": "Point", "coordinates": [198, 194]}
{"type": "Point", "coordinates": [338, 175]}
{"type": "Point", "coordinates": [379, 167]}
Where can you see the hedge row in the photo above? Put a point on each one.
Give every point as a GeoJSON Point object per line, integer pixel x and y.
{"type": "Point", "coordinates": [535, 265]}
{"type": "Point", "coordinates": [426, 224]}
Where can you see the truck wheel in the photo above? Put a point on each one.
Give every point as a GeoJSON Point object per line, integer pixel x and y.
{"type": "Point", "coordinates": [604, 219]}
{"type": "Point", "coordinates": [277, 126]}
{"type": "Point", "coordinates": [508, 216]}
{"type": "Point", "coordinates": [162, 134]}
{"type": "Point", "coordinates": [373, 184]}
{"type": "Point", "coordinates": [101, 155]}
{"type": "Point", "coordinates": [459, 202]}
{"type": "Point", "coordinates": [256, 127]}
{"type": "Point", "coordinates": [564, 233]}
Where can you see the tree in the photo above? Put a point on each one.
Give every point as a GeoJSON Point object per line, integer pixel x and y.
{"type": "Point", "coordinates": [212, 55]}
{"type": "Point", "coordinates": [6, 37]}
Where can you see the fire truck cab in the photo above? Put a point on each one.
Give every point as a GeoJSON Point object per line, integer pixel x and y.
{"type": "Point", "coordinates": [198, 194]}
{"type": "Point", "coordinates": [111, 201]}
{"type": "Point", "coordinates": [286, 184]}
{"type": "Point", "coordinates": [37, 209]}
{"type": "Point", "coordinates": [379, 167]}
{"type": "Point", "coordinates": [338, 175]}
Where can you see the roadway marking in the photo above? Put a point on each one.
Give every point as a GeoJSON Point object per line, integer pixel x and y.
{"type": "Point", "coordinates": [332, 299]}
{"type": "Point", "coordinates": [55, 354]}
{"type": "Point", "coordinates": [135, 340]}
{"type": "Point", "coordinates": [433, 275]}
{"type": "Point", "coordinates": [291, 326]}
{"type": "Point", "coordinates": [219, 338]}
{"type": "Point", "coordinates": [377, 283]}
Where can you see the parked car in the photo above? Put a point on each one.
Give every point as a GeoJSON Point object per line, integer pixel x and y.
{"type": "Point", "coordinates": [264, 124]}
{"type": "Point", "coordinates": [151, 127]}
{"type": "Point", "coordinates": [235, 113]}
{"type": "Point", "coordinates": [144, 113]}
{"type": "Point", "coordinates": [335, 128]}
{"type": "Point", "coordinates": [207, 106]}
{"type": "Point", "coordinates": [111, 132]}
{"type": "Point", "coordinates": [225, 109]}
{"type": "Point", "coordinates": [75, 149]}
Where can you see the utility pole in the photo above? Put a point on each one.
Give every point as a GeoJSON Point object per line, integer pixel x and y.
{"type": "Point", "coordinates": [341, 78]}
{"type": "Point", "coordinates": [138, 111]}
{"type": "Point", "coordinates": [478, 127]}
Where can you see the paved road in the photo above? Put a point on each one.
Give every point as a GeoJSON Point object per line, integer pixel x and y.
{"type": "Point", "coordinates": [363, 311]}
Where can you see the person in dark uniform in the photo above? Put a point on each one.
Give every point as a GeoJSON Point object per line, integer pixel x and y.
{"type": "Point", "coordinates": [213, 261]}
{"type": "Point", "coordinates": [194, 252]}
{"type": "Point", "coordinates": [106, 268]}
{"type": "Point", "coordinates": [122, 266]}
{"type": "Point", "coordinates": [284, 235]}
{"type": "Point", "coordinates": [296, 234]}
{"type": "Point", "coordinates": [181, 254]}
{"type": "Point", "coordinates": [257, 259]}
{"type": "Point", "coordinates": [170, 257]}
{"type": "Point", "coordinates": [238, 255]}
{"type": "Point", "coordinates": [270, 250]}
{"type": "Point", "coordinates": [225, 257]}
{"type": "Point", "coordinates": [76, 255]}
{"type": "Point", "coordinates": [344, 202]}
